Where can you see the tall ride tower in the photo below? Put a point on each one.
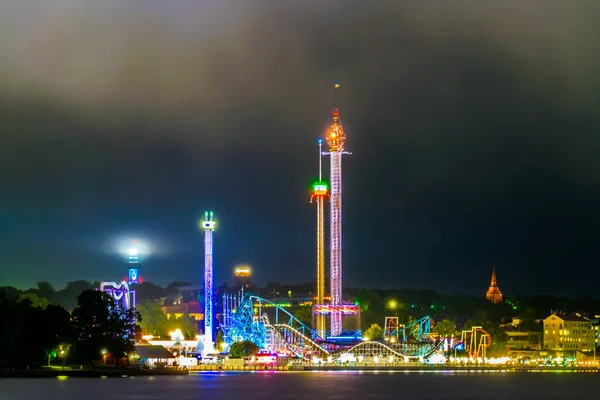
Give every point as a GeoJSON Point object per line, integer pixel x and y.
{"type": "Point", "coordinates": [319, 192]}
{"type": "Point", "coordinates": [133, 267]}
{"type": "Point", "coordinates": [335, 139]}
{"type": "Point", "coordinates": [208, 224]}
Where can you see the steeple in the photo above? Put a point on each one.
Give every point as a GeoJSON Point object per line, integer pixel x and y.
{"type": "Point", "coordinates": [493, 282]}
{"type": "Point", "coordinates": [494, 294]}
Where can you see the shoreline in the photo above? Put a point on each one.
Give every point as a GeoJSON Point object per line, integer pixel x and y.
{"type": "Point", "coordinates": [133, 372]}
{"type": "Point", "coordinates": [449, 368]}
{"type": "Point", "coordinates": [92, 373]}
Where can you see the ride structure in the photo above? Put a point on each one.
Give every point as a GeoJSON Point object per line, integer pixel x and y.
{"type": "Point", "coordinates": [391, 332]}
{"type": "Point", "coordinates": [475, 342]}
{"type": "Point", "coordinates": [319, 193]}
{"type": "Point", "coordinates": [121, 292]}
{"type": "Point", "coordinates": [336, 139]}
{"type": "Point", "coordinates": [250, 317]}
{"type": "Point", "coordinates": [272, 328]}
{"type": "Point", "coordinates": [208, 224]}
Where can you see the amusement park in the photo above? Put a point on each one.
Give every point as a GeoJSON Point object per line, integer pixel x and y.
{"type": "Point", "coordinates": [331, 335]}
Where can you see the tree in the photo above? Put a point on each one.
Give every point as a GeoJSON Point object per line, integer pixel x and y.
{"type": "Point", "coordinates": [185, 323]}
{"type": "Point", "coordinates": [154, 320]}
{"type": "Point", "coordinates": [372, 306]}
{"type": "Point", "coordinates": [445, 328]}
{"type": "Point", "coordinates": [39, 329]}
{"type": "Point", "coordinates": [57, 321]}
{"type": "Point", "coordinates": [67, 297]}
{"type": "Point", "coordinates": [45, 290]}
{"type": "Point", "coordinates": [375, 332]}
{"type": "Point", "coordinates": [173, 286]}
{"type": "Point", "coordinates": [100, 324]}
{"type": "Point", "coordinates": [304, 315]}
{"type": "Point", "coordinates": [34, 300]}
{"type": "Point", "coordinates": [147, 291]}
{"type": "Point", "coordinates": [528, 321]}
{"type": "Point", "coordinates": [219, 340]}
{"type": "Point", "coordinates": [243, 349]}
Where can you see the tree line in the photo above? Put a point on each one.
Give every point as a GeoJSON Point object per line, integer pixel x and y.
{"type": "Point", "coordinates": [448, 311]}
{"type": "Point", "coordinates": [36, 333]}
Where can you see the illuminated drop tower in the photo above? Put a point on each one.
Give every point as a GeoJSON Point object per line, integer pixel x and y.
{"type": "Point", "coordinates": [208, 224]}
{"type": "Point", "coordinates": [335, 139]}
{"type": "Point", "coordinates": [319, 193]}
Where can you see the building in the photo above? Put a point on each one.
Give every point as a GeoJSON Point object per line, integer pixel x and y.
{"type": "Point", "coordinates": [494, 294]}
{"type": "Point", "coordinates": [242, 276]}
{"type": "Point", "coordinates": [522, 340]}
{"type": "Point", "coordinates": [192, 308]}
{"type": "Point", "coordinates": [153, 356]}
{"type": "Point", "coordinates": [184, 294]}
{"type": "Point", "coordinates": [572, 332]}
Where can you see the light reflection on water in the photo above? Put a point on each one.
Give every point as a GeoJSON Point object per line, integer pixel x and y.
{"type": "Point", "coordinates": [268, 385]}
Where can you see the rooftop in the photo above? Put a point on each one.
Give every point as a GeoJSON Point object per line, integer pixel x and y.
{"type": "Point", "coordinates": [150, 351]}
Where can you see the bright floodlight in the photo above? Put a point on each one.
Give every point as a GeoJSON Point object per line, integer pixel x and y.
{"type": "Point", "coordinates": [133, 251]}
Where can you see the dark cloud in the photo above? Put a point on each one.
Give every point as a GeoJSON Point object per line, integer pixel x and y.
{"type": "Point", "coordinates": [473, 126]}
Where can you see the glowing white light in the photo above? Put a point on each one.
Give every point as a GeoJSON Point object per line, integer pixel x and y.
{"type": "Point", "coordinates": [437, 359]}
{"type": "Point", "coordinates": [208, 224]}
{"type": "Point", "coordinates": [133, 252]}
{"type": "Point", "coordinates": [177, 335]}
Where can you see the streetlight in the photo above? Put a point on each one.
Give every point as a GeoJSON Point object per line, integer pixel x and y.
{"type": "Point", "coordinates": [104, 352]}
{"type": "Point", "coordinates": [64, 358]}
{"type": "Point", "coordinates": [392, 304]}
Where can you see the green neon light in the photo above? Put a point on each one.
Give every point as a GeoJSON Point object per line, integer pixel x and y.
{"type": "Point", "coordinates": [320, 186]}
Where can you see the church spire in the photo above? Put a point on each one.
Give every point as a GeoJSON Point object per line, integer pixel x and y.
{"type": "Point", "coordinates": [494, 294]}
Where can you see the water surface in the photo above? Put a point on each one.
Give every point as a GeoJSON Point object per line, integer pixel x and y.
{"type": "Point", "coordinates": [314, 386]}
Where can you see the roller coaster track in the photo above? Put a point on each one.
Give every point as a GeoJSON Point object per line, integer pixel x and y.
{"type": "Point", "coordinates": [372, 348]}
{"type": "Point", "coordinates": [250, 323]}
{"type": "Point", "coordinates": [247, 325]}
{"type": "Point", "coordinates": [299, 344]}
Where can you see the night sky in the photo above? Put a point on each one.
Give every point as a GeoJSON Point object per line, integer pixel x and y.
{"type": "Point", "coordinates": [474, 128]}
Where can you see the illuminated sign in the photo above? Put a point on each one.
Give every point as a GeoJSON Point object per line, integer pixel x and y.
{"type": "Point", "coordinates": [242, 271]}
{"type": "Point", "coordinates": [344, 309]}
{"type": "Point", "coordinates": [264, 358]}
{"type": "Point", "coordinates": [133, 275]}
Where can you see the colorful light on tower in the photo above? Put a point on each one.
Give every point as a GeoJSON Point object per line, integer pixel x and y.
{"type": "Point", "coordinates": [208, 224]}
{"type": "Point", "coordinates": [335, 139]}
{"type": "Point", "coordinates": [319, 192]}
{"type": "Point", "coordinates": [133, 266]}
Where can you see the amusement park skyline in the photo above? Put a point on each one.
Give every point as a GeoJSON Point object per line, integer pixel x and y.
{"type": "Point", "coordinates": [473, 132]}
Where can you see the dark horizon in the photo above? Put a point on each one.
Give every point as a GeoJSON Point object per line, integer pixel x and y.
{"type": "Point", "coordinates": [473, 130]}
{"type": "Point", "coordinates": [473, 294]}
